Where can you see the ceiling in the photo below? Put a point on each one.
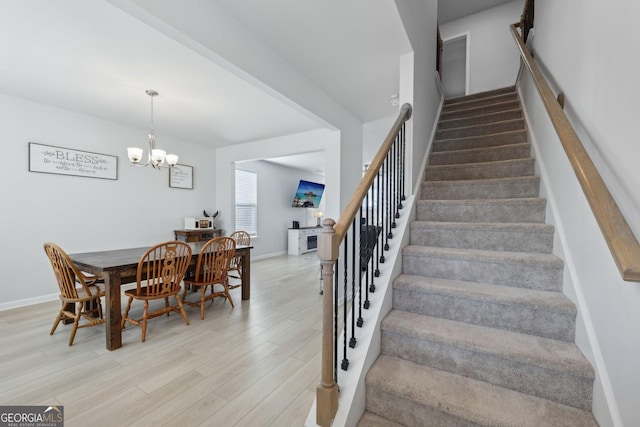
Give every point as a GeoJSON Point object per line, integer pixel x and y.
{"type": "Point", "coordinates": [450, 10]}
{"type": "Point", "coordinates": [97, 59]}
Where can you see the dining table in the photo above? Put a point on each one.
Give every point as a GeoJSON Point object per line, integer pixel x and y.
{"type": "Point", "coordinates": [119, 266]}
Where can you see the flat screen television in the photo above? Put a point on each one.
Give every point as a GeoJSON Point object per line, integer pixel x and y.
{"type": "Point", "coordinates": [308, 195]}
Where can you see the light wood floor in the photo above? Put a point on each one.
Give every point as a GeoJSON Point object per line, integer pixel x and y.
{"type": "Point", "coordinates": [255, 365]}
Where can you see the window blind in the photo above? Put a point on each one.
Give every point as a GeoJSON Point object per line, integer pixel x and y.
{"type": "Point", "coordinates": [247, 201]}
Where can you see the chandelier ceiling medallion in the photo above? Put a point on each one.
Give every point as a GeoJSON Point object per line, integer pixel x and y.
{"type": "Point", "coordinates": [155, 157]}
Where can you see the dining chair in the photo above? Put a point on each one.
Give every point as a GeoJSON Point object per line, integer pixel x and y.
{"type": "Point", "coordinates": [235, 269]}
{"type": "Point", "coordinates": [211, 270]}
{"type": "Point", "coordinates": [159, 273]}
{"type": "Point", "coordinates": [85, 298]}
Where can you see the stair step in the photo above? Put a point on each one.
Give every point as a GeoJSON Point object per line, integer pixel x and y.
{"type": "Point", "coordinates": [497, 188]}
{"type": "Point", "coordinates": [480, 129]}
{"type": "Point", "coordinates": [483, 102]}
{"type": "Point", "coordinates": [541, 313]}
{"type": "Point", "coordinates": [416, 395]}
{"type": "Point", "coordinates": [518, 269]}
{"type": "Point", "coordinates": [482, 210]}
{"type": "Point", "coordinates": [550, 369]}
{"type": "Point", "coordinates": [517, 237]}
{"type": "Point", "coordinates": [478, 110]}
{"type": "Point", "coordinates": [475, 155]}
{"type": "Point", "coordinates": [481, 119]}
{"type": "Point", "coordinates": [480, 95]}
{"type": "Point", "coordinates": [495, 140]}
{"type": "Point", "coordinates": [369, 419]}
{"type": "Point", "coordinates": [482, 170]}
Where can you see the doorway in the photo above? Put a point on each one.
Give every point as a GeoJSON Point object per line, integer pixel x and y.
{"type": "Point", "coordinates": [455, 66]}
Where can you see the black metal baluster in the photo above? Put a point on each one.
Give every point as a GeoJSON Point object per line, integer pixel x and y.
{"type": "Point", "coordinates": [345, 361]}
{"type": "Point", "coordinates": [335, 320]}
{"type": "Point", "coordinates": [394, 175]}
{"type": "Point", "coordinates": [389, 199]}
{"type": "Point", "coordinates": [366, 265]}
{"type": "Point", "coordinates": [370, 242]}
{"type": "Point", "coordinates": [360, 319]}
{"type": "Point", "coordinates": [377, 224]}
{"type": "Point", "coordinates": [397, 153]}
{"type": "Point", "coordinates": [385, 218]}
{"type": "Point", "coordinates": [353, 341]}
{"type": "Point", "coordinates": [404, 161]}
{"type": "Point", "coordinates": [393, 195]}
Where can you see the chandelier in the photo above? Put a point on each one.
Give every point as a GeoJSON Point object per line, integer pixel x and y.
{"type": "Point", "coordinates": [155, 156]}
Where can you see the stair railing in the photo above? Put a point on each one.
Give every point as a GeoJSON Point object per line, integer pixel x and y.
{"type": "Point", "coordinates": [526, 19]}
{"type": "Point", "coordinates": [363, 232]}
{"type": "Point", "coordinates": [621, 241]}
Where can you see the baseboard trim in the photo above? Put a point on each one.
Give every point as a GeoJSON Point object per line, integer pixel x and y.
{"type": "Point", "coordinates": [28, 301]}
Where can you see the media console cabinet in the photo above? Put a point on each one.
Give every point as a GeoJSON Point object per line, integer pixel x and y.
{"type": "Point", "coordinates": [303, 240]}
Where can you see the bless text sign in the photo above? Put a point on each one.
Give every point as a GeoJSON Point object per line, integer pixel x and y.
{"type": "Point", "coordinates": [65, 161]}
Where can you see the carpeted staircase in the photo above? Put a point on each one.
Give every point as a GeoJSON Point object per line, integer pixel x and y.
{"type": "Point", "coordinates": [480, 332]}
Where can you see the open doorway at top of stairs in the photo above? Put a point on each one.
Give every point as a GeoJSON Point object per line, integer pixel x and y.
{"type": "Point", "coordinates": [455, 69]}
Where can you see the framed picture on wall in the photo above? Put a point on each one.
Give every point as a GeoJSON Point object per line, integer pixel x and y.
{"type": "Point", "coordinates": [181, 176]}
{"type": "Point", "coordinates": [68, 161]}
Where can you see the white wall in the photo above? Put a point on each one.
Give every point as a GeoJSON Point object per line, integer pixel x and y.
{"type": "Point", "coordinates": [84, 214]}
{"type": "Point", "coordinates": [493, 59]}
{"type": "Point", "coordinates": [373, 135]}
{"type": "Point", "coordinates": [277, 187]}
{"type": "Point", "coordinates": [598, 75]}
{"type": "Point", "coordinates": [601, 102]}
{"type": "Point", "coordinates": [420, 22]}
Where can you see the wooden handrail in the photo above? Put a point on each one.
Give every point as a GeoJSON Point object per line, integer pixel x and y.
{"type": "Point", "coordinates": [621, 241]}
{"type": "Point", "coordinates": [350, 212]}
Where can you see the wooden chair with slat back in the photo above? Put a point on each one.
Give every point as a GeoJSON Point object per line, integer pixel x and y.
{"type": "Point", "coordinates": [212, 269]}
{"type": "Point", "coordinates": [159, 273]}
{"type": "Point", "coordinates": [85, 297]}
{"type": "Point", "coordinates": [235, 269]}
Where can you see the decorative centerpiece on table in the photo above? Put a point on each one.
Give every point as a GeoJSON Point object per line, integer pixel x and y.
{"type": "Point", "coordinates": [213, 217]}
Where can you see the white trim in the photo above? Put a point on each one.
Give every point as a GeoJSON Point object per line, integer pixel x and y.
{"type": "Point", "coordinates": [29, 301]}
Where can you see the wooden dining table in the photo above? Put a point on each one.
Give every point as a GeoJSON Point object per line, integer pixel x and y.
{"type": "Point", "coordinates": [118, 267]}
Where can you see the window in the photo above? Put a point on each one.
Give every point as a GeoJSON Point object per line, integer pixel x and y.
{"type": "Point", "coordinates": [247, 201]}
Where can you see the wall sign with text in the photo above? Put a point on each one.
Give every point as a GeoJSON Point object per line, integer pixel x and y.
{"type": "Point", "coordinates": [181, 176]}
{"type": "Point", "coordinates": [66, 161]}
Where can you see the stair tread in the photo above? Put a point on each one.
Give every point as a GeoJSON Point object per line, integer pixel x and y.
{"type": "Point", "coordinates": [464, 104]}
{"type": "Point", "coordinates": [481, 164]}
{"type": "Point", "coordinates": [488, 124]}
{"type": "Point", "coordinates": [469, 399]}
{"type": "Point", "coordinates": [484, 202]}
{"type": "Point", "coordinates": [468, 151]}
{"type": "Point", "coordinates": [530, 227]}
{"type": "Point", "coordinates": [488, 116]}
{"type": "Point", "coordinates": [548, 260]}
{"type": "Point", "coordinates": [482, 109]}
{"type": "Point", "coordinates": [532, 350]}
{"type": "Point", "coordinates": [548, 300]}
{"type": "Point", "coordinates": [442, 141]}
{"type": "Point", "coordinates": [369, 419]}
{"type": "Point", "coordinates": [484, 181]}
{"type": "Point", "coordinates": [481, 95]}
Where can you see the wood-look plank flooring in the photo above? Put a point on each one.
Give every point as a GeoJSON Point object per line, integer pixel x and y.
{"type": "Point", "coordinates": [255, 365]}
